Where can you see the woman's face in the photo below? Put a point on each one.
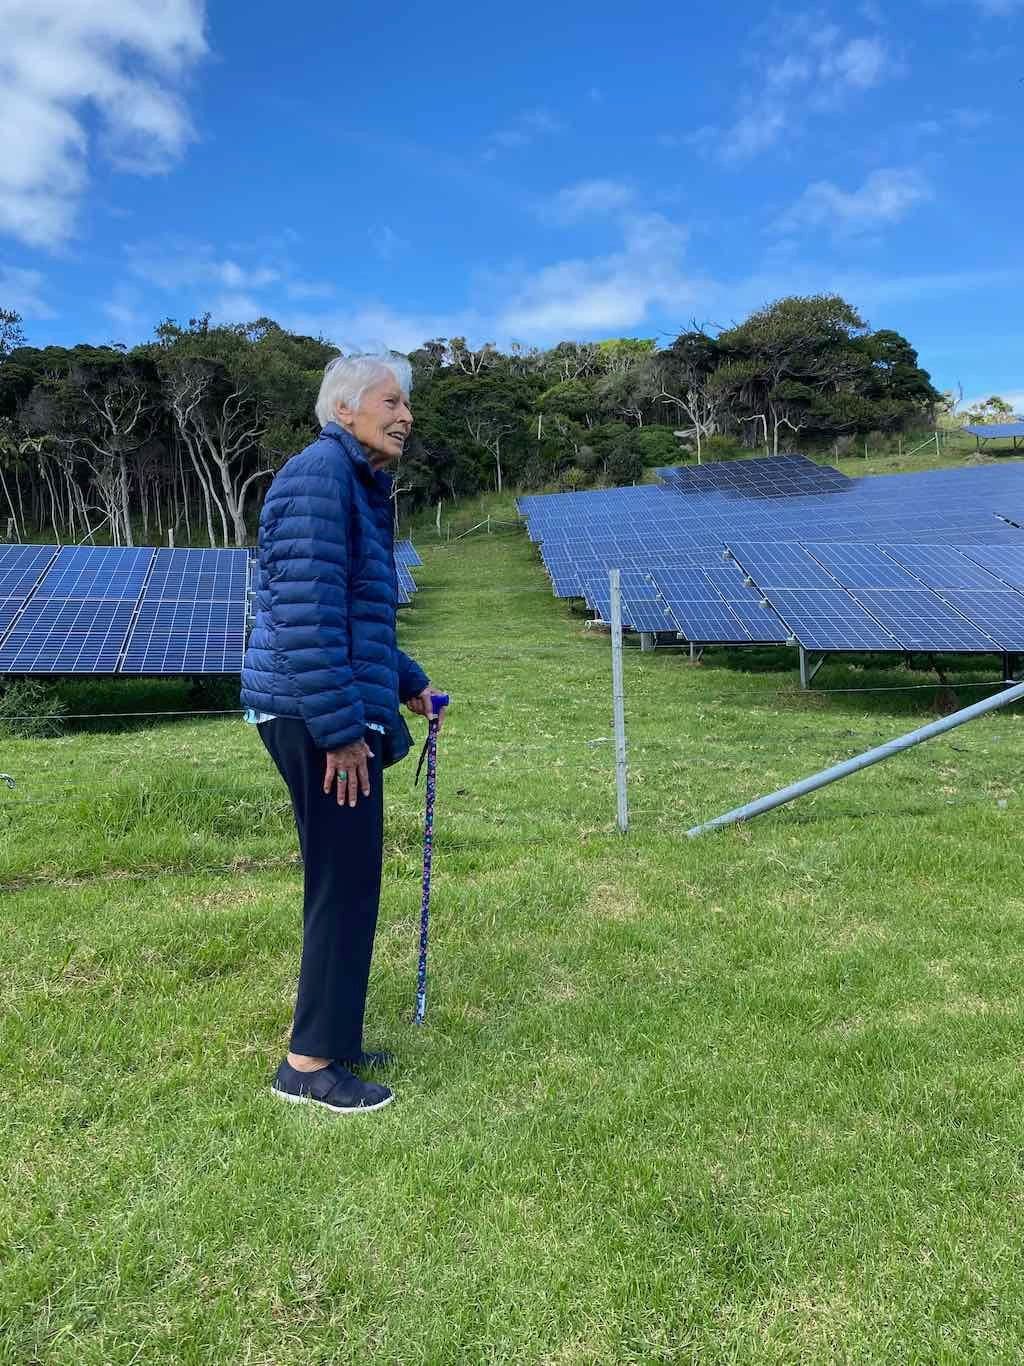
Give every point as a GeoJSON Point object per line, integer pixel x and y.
{"type": "Point", "coordinates": [382, 422]}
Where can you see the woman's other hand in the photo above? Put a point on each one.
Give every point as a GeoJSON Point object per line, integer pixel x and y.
{"type": "Point", "coordinates": [421, 705]}
{"type": "Point", "coordinates": [346, 768]}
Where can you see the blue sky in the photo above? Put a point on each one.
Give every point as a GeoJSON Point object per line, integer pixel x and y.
{"type": "Point", "coordinates": [384, 174]}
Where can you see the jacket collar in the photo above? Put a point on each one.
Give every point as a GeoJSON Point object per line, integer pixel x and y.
{"type": "Point", "coordinates": [355, 452]}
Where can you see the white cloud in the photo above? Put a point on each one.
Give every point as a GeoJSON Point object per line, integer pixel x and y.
{"type": "Point", "coordinates": [803, 66]}
{"type": "Point", "coordinates": [309, 289]}
{"type": "Point", "coordinates": [526, 128]}
{"type": "Point", "coordinates": [236, 308]}
{"type": "Point", "coordinates": [605, 293]}
{"type": "Point", "coordinates": [587, 199]}
{"type": "Point", "coordinates": [858, 64]}
{"type": "Point", "coordinates": [885, 197]}
{"type": "Point", "coordinates": [64, 63]}
{"type": "Point", "coordinates": [177, 263]}
{"type": "Point", "coordinates": [123, 308]}
{"type": "Point", "coordinates": [375, 326]}
{"type": "Point", "coordinates": [22, 291]}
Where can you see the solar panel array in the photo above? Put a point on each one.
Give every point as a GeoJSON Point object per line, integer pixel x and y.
{"type": "Point", "coordinates": [783, 549]}
{"type": "Point", "coordinates": [997, 429]}
{"type": "Point", "coordinates": [103, 610]}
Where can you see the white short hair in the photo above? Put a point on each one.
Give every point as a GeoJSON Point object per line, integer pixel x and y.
{"type": "Point", "coordinates": [347, 378]}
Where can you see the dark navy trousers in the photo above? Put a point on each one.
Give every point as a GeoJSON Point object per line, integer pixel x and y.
{"type": "Point", "coordinates": [342, 852]}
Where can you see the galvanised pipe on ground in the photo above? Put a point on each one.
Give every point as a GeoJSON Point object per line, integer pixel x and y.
{"type": "Point", "coordinates": [872, 756]}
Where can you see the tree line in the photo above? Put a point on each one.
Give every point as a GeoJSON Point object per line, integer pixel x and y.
{"type": "Point", "coordinates": [184, 432]}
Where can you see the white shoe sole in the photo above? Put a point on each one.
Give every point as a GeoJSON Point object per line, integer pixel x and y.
{"type": "Point", "coordinates": [334, 1109]}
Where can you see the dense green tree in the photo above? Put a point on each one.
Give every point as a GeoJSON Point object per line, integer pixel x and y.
{"type": "Point", "coordinates": [184, 432]}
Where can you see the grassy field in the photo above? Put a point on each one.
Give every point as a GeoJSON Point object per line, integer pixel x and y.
{"type": "Point", "coordinates": [754, 1098]}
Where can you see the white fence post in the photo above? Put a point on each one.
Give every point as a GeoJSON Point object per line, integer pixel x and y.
{"type": "Point", "coordinates": [618, 704]}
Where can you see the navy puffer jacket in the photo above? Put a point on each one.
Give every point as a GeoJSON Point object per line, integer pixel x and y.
{"type": "Point", "coordinates": [323, 647]}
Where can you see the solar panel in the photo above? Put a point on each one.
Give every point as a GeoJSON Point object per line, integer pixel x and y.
{"type": "Point", "coordinates": [999, 614]}
{"type": "Point", "coordinates": [1000, 429]}
{"type": "Point", "coordinates": [1004, 561]}
{"type": "Point", "coordinates": [9, 608]}
{"type": "Point", "coordinates": [941, 566]}
{"type": "Point", "coordinates": [54, 635]}
{"type": "Point", "coordinates": [861, 566]}
{"type": "Point", "coordinates": [711, 621]}
{"type": "Point", "coordinates": [186, 637]}
{"type": "Point", "coordinates": [405, 553]}
{"type": "Point", "coordinates": [90, 572]}
{"type": "Point", "coordinates": [714, 606]}
{"type": "Point", "coordinates": [215, 575]}
{"type": "Point", "coordinates": [781, 566]}
{"type": "Point", "coordinates": [21, 566]}
{"type": "Point", "coordinates": [829, 619]}
{"type": "Point", "coordinates": [920, 620]}
{"type": "Point", "coordinates": [641, 610]}
{"type": "Point", "coordinates": [772, 477]}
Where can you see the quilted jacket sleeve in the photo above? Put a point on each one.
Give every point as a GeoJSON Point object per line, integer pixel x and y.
{"type": "Point", "coordinates": [411, 678]}
{"type": "Point", "coordinates": [305, 555]}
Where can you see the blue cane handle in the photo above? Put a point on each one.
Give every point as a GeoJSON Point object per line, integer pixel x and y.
{"type": "Point", "coordinates": [437, 701]}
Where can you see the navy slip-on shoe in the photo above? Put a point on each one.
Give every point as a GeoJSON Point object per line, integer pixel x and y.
{"type": "Point", "coordinates": [333, 1088]}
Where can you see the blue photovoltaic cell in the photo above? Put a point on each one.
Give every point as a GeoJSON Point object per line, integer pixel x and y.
{"type": "Point", "coordinates": [707, 621]}
{"type": "Point", "coordinates": [685, 585]}
{"type": "Point", "coordinates": [1006, 562]}
{"type": "Point", "coordinates": [88, 572]}
{"type": "Point", "coordinates": [8, 611]}
{"type": "Point", "coordinates": [781, 566]}
{"type": "Point", "coordinates": [922, 621]}
{"type": "Point", "coordinates": [999, 614]}
{"type": "Point", "coordinates": [861, 566]}
{"type": "Point", "coordinates": [823, 619]}
{"type": "Point", "coordinates": [186, 637]}
{"type": "Point", "coordinates": [1002, 429]}
{"type": "Point", "coordinates": [215, 575]}
{"type": "Point", "coordinates": [641, 610]}
{"type": "Point", "coordinates": [761, 623]}
{"type": "Point", "coordinates": [771, 477]}
{"type": "Point", "coordinates": [405, 553]}
{"type": "Point", "coordinates": [941, 566]}
{"type": "Point", "coordinates": [699, 610]}
{"type": "Point", "coordinates": [405, 580]}
{"type": "Point", "coordinates": [57, 636]}
{"type": "Point", "coordinates": [20, 567]}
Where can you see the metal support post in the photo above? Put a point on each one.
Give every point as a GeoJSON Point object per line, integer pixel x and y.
{"type": "Point", "coordinates": [648, 641]}
{"type": "Point", "coordinates": [618, 703]}
{"type": "Point", "coordinates": [872, 756]}
{"type": "Point", "coordinates": [170, 537]}
{"type": "Point", "coordinates": [807, 671]}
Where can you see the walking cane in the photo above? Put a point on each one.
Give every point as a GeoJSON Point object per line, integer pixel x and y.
{"type": "Point", "coordinates": [437, 702]}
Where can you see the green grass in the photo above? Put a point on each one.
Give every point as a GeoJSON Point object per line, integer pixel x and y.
{"type": "Point", "coordinates": [754, 1098]}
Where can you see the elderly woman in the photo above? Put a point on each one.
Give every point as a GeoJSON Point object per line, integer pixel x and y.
{"type": "Point", "coordinates": [322, 679]}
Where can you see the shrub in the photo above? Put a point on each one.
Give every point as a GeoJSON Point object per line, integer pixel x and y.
{"type": "Point", "coordinates": [573, 479]}
{"type": "Point", "coordinates": [722, 448]}
{"type": "Point", "coordinates": [30, 710]}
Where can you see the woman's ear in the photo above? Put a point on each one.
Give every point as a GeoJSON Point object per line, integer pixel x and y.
{"type": "Point", "coordinates": [344, 416]}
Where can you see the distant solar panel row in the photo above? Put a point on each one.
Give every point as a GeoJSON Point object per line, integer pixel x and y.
{"type": "Point", "coordinates": [87, 609]}
{"type": "Point", "coordinates": [896, 538]}
{"type": "Point", "coordinates": [897, 597]}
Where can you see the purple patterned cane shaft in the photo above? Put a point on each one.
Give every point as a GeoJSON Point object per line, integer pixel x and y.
{"type": "Point", "coordinates": [428, 857]}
